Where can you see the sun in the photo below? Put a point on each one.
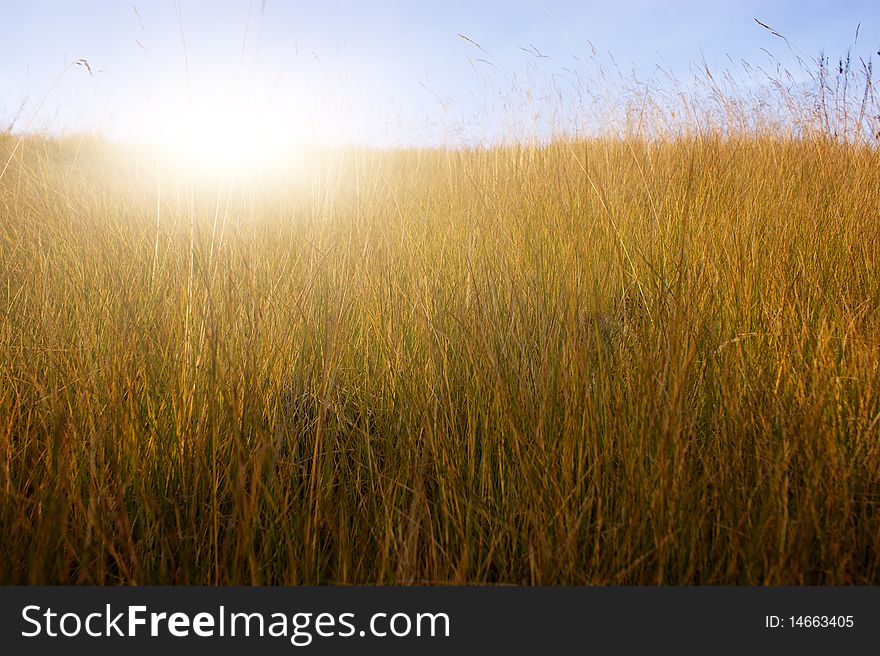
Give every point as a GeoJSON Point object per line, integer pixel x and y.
{"type": "Point", "coordinates": [227, 138]}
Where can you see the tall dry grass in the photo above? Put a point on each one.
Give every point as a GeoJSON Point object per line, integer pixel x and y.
{"type": "Point", "coordinates": [640, 358]}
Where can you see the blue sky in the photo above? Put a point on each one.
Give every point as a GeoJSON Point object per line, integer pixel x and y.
{"type": "Point", "coordinates": [382, 71]}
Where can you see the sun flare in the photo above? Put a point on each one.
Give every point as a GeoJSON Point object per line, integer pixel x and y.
{"type": "Point", "coordinates": [233, 139]}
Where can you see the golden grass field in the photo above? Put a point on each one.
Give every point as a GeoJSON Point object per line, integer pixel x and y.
{"type": "Point", "coordinates": [621, 360]}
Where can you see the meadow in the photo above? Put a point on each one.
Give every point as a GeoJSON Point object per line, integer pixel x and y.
{"type": "Point", "coordinates": [624, 359]}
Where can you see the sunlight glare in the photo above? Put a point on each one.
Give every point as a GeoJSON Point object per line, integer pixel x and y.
{"type": "Point", "coordinates": [232, 139]}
